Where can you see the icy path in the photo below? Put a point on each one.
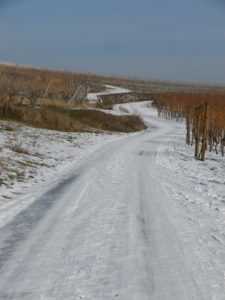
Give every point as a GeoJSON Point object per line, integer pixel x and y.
{"type": "Point", "coordinates": [110, 89]}
{"type": "Point", "coordinates": [116, 229]}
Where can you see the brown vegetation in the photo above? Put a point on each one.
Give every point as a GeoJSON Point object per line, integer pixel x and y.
{"type": "Point", "coordinates": [109, 100]}
{"type": "Point", "coordinates": [204, 115]}
{"type": "Point", "coordinates": [36, 96]}
{"type": "Point", "coordinates": [19, 149]}
{"type": "Point", "coordinates": [72, 120]}
{"type": "Point", "coordinates": [44, 98]}
{"type": "Point", "coordinates": [33, 85]}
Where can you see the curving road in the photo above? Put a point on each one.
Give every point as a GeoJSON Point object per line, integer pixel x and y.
{"type": "Point", "coordinates": [110, 231]}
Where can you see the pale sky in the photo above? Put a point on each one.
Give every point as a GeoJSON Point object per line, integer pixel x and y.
{"type": "Point", "coordinates": [154, 39]}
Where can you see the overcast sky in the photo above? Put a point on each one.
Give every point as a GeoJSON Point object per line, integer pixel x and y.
{"type": "Point", "coordinates": [157, 39]}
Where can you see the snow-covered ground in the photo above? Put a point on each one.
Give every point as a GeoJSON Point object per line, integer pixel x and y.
{"type": "Point", "coordinates": [95, 97]}
{"type": "Point", "coordinates": [32, 158]}
{"type": "Point", "coordinates": [139, 218]}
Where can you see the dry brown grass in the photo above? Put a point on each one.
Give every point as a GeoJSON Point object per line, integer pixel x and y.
{"type": "Point", "coordinates": [8, 127]}
{"type": "Point", "coordinates": [14, 173]}
{"type": "Point", "coordinates": [111, 99]}
{"type": "Point", "coordinates": [79, 120]}
{"type": "Point", "coordinates": [19, 149]}
{"type": "Point", "coordinates": [58, 103]}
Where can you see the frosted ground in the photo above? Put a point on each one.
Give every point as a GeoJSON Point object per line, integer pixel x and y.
{"type": "Point", "coordinates": [48, 154]}
{"type": "Point", "coordinates": [29, 156]}
{"type": "Point", "coordinates": [131, 216]}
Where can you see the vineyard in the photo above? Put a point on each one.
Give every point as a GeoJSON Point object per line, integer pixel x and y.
{"type": "Point", "coordinates": [21, 85]}
{"type": "Point", "coordinates": [44, 98]}
{"type": "Point", "coordinates": [202, 106]}
{"type": "Point", "coordinates": [204, 114]}
{"type": "Point", "coordinates": [36, 86]}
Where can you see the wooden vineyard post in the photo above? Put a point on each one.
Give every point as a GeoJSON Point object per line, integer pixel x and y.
{"type": "Point", "coordinates": [222, 142]}
{"type": "Point", "coordinates": [46, 91]}
{"type": "Point", "coordinates": [204, 131]}
{"type": "Point", "coordinates": [188, 137]}
{"type": "Point", "coordinates": [197, 131]}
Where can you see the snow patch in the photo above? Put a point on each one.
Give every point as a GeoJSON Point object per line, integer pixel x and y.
{"type": "Point", "coordinates": [96, 97]}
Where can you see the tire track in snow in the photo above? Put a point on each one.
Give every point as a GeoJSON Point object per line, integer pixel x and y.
{"type": "Point", "coordinates": [15, 232]}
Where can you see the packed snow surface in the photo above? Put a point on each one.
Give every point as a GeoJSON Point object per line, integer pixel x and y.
{"type": "Point", "coordinates": [139, 218]}
{"type": "Point", "coordinates": [30, 156]}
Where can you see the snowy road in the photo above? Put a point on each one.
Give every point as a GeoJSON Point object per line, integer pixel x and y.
{"type": "Point", "coordinates": [113, 230]}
